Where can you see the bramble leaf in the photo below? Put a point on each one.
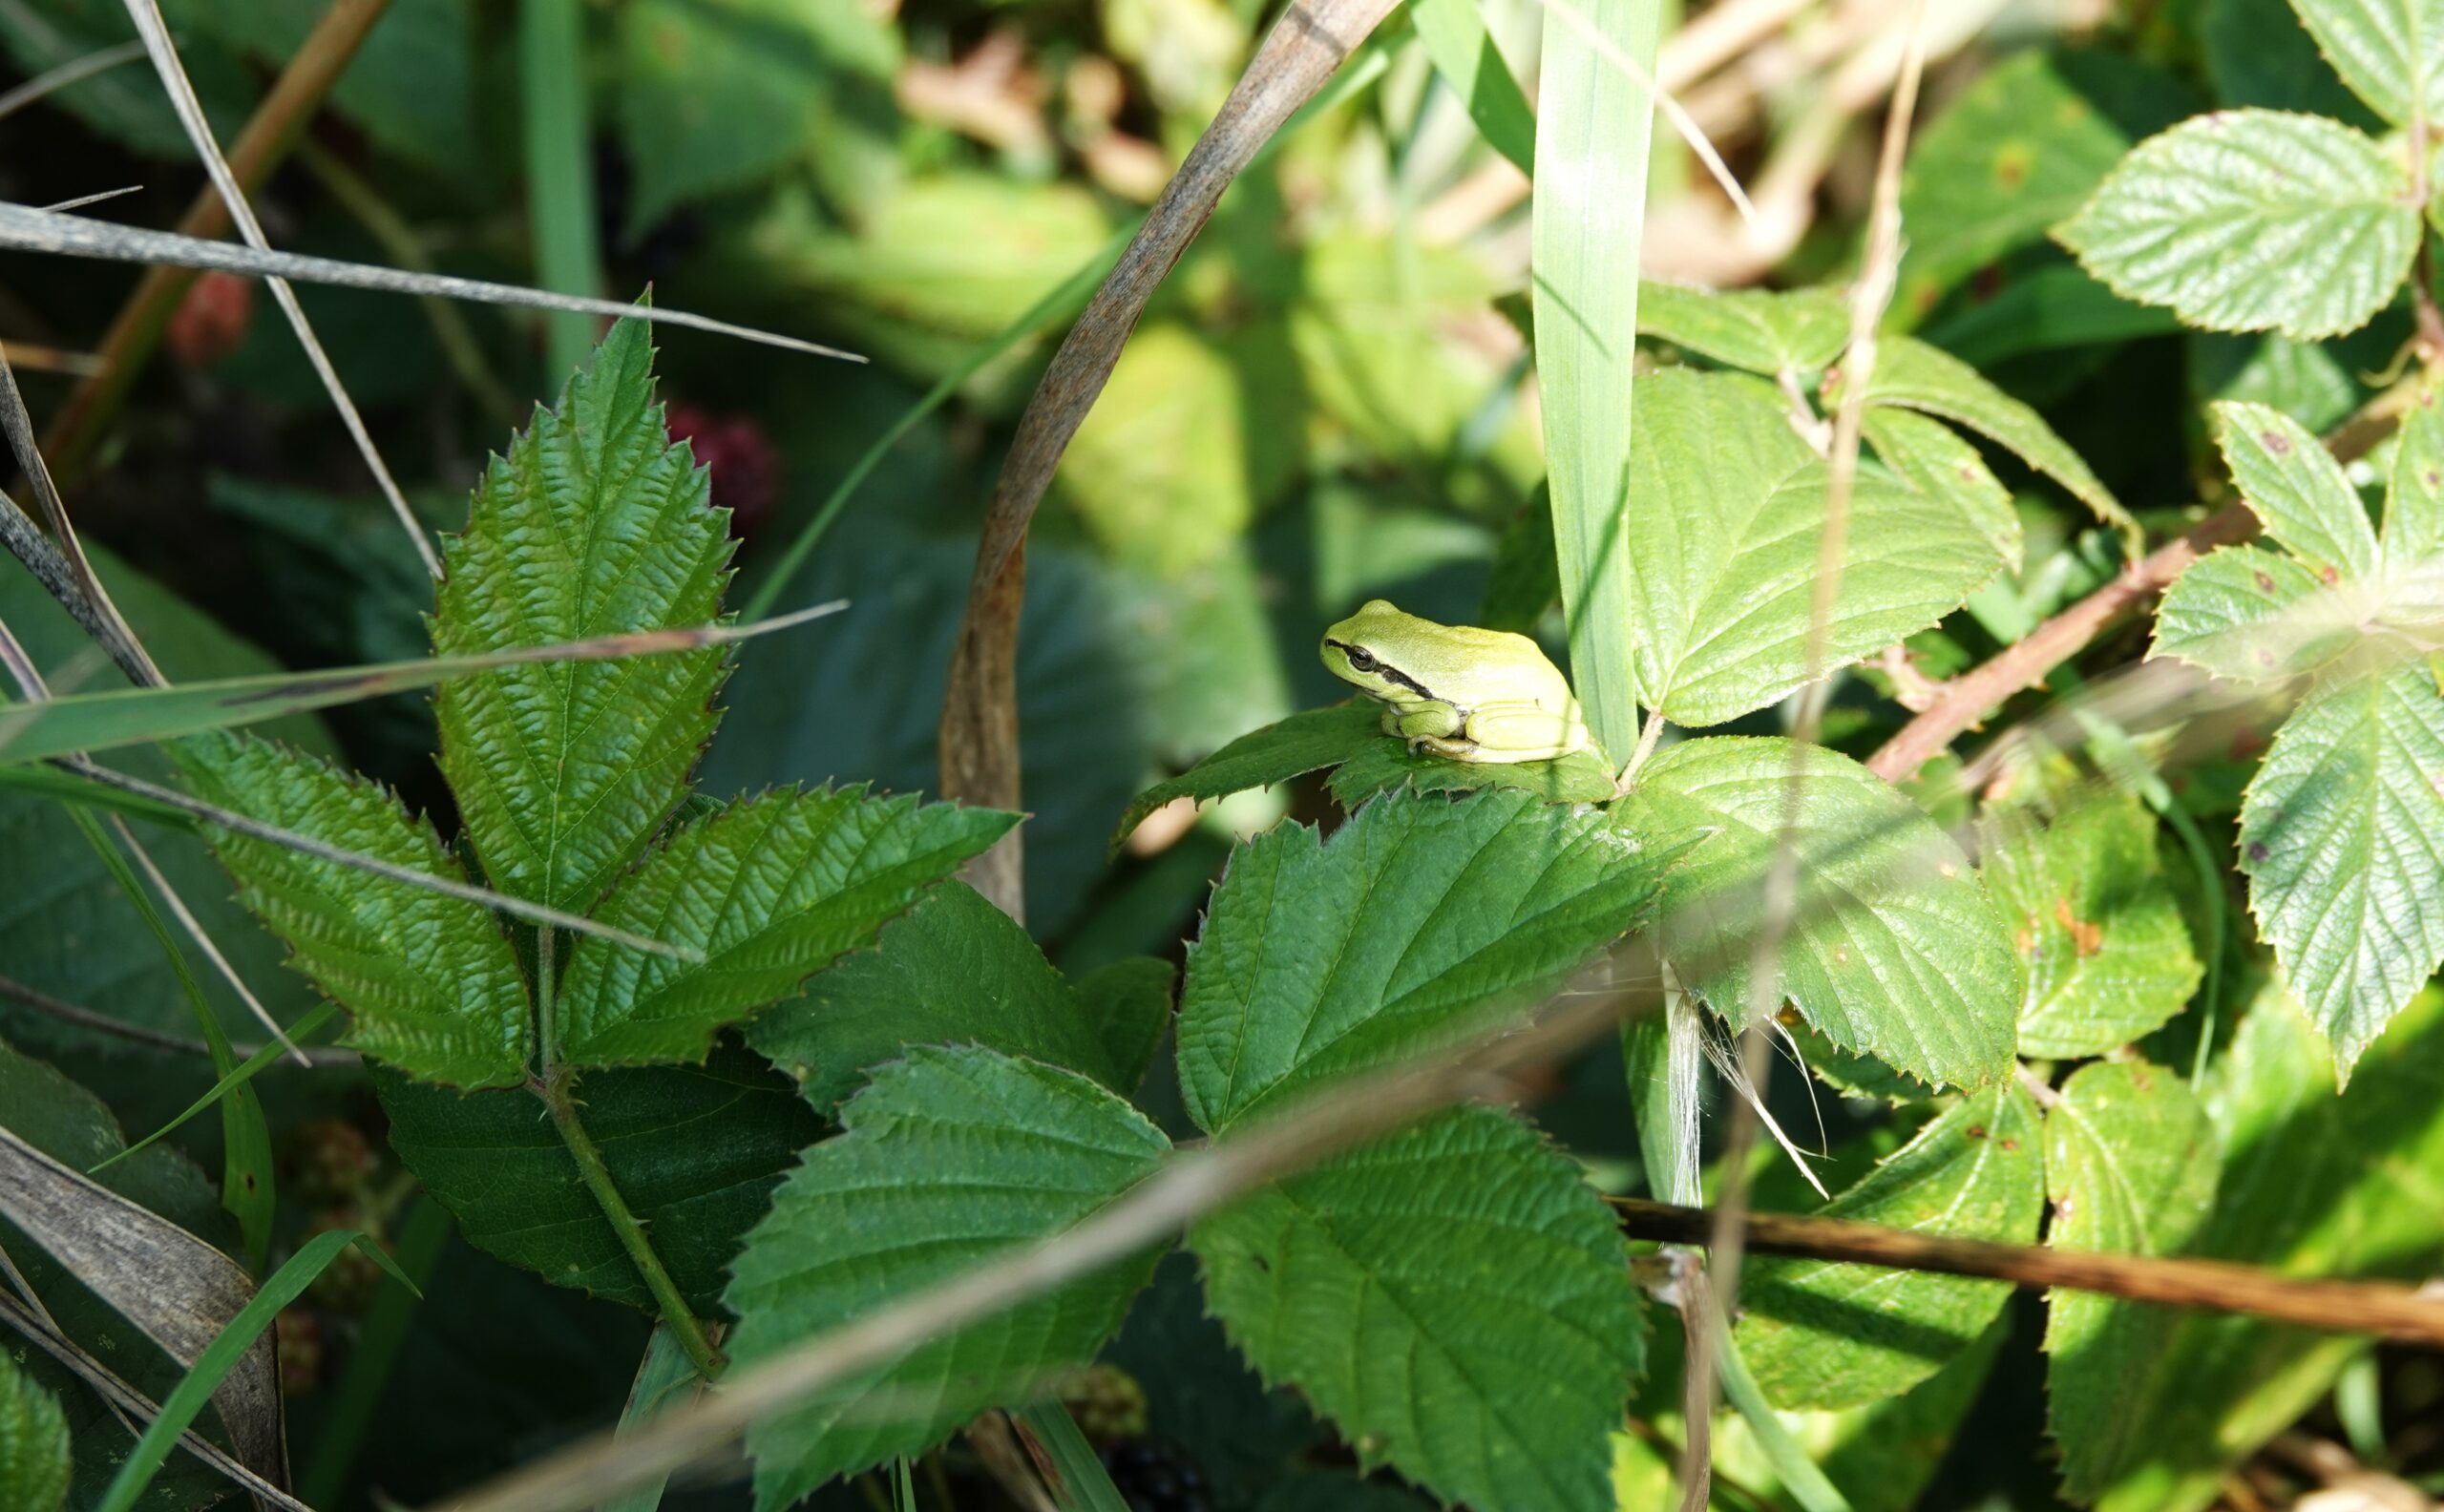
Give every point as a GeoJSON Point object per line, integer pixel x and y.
{"type": "Point", "coordinates": [2297, 489]}
{"type": "Point", "coordinates": [1894, 948]}
{"type": "Point", "coordinates": [2254, 219]}
{"type": "Point", "coordinates": [772, 889]}
{"type": "Point", "coordinates": [35, 1464]}
{"type": "Point", "coordinates": [1455, 1298]}
{"type": "Point", "coordinates": [1307, 741]}
{"type": "Point", "coordinates": [2246, 613]}
{"type": "Point", "coordinates": [1761, 330]}
{"type": "Point", "coordinates": [1931, 457]}
{"type": "Point", "coordinates": [948, 1161]}
{"type": "Point", "coordinates": [2414, 529]}
{"type": "Point", "coordinates": [429, 982]}
{"type": "Point", "coordinates": [594, 523]}
{"type": "Point", "coordinates": [2342, 836]}
{"type": "Point", "coordinates": [2389, 52]}
{"type": "Point", "coordinates": [2130, 1166]}
{"type": "Point", "coordinates": [1421, 922]}
{"type": "Point", "coordinates": [1827, 1334]}
{"type": "Point", "coordinates": [2107, 954]}
{"type": "Point", "coordinates": [956, 970]}
{"type": "Point", "coordinates": [1912, 375]}
{"type": "Point", "coordinates": [1727, 536]}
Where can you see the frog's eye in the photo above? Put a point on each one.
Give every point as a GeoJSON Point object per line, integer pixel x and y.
{"type": "Point", "coordinates": [1362, 658]}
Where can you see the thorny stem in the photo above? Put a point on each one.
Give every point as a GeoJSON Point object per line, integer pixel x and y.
{"type": "Point", "coordinates": [631, 1229]}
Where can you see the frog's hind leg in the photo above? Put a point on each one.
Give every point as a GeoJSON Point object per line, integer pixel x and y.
{"type": "Point", "coordinates": [1422, 723]}
{"type": "Point", "coordinates": [1522, 734]}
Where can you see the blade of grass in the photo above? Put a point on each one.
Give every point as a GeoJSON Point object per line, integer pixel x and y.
{"type": "Point", "coordinates": [26, 229]}
{"type": "Point", "coordinates": [665, 1377]}
{"type": "Point", "coordinates": [237, 1077]}
{"type": "Point", "coordinates": [1063, 302]}
{"type": "Point", "coordinates": [1462, 51]}
{"type": "Point", "coordinates": [68, 1013]}
{"type": "Point", "coordinates": [75, 71]}
{"type": "Point", "coordinates": [1592, 144]}
{"type": "Point", "coordinates": [180, 1407]}
{"type": "Point", "coordinates": [378, 1338]}
{"type": "Point", "coordinates": [156, 33]}
{"type": "Point", "coordinates": [96, 722]}
{"type": "Point", "coordinates": [61, 785]}
{"type": "Point", "coordinates": [202, 938]}
{"type": "Point", "coordinates": [247, 1189]}
{"type": "Point", "coordinates": [1085, 1485]}
{"type": "Point", "coordinates": [559, 173]}
{"type": "Point", "coordinates": [1799, 1474]}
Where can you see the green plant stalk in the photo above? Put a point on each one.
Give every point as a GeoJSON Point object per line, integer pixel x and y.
{"type": "Point", "coordinates": [1800, 1475]}
{"type": "Point", "coordinates": [378, 1339]}
{"type": "Point", "coordinates": [675, 1312]}
{"type": "Point", "coordinates": [1085, 1485]}
{"type": "Point", "coordinates": [661, 1377]}
{"type": "Point", "coordinates": [1593, 133]}
{"type": "Point", "coordinates": [246, 1177]}
{"type": "Point", "coordinates": [559, 179]}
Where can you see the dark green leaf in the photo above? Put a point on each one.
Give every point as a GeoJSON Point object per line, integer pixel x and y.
{"type": "Point", "coordinates": [949, 1161]}
{"type": "Point", "coordinates": [1308, 740]}
{"type": "Point", "coordinates": [1913, 375]}
{"type": "Point", "coordinates": [956, 970]}
{"type": "Point", "coordinates": [34, 1458]}
{"type": "Point", "coordinates": [695, 1149]}
{"type": "Point", "coordinates": [1128, 1004]}
{"type": "Point", "coordinates": [1455, 1298]}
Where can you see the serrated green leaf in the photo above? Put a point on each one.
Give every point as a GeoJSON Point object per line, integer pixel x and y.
{"type": "Point", "coordinates": [2257, 53]}
{"type": "Point", "coordinates": [2131, 1160]}
{"type": "Point", "coordinates": [2415, 502]}
{"type": "Point", "coordinates": [593, 524]}
{"type": "Point", "coordinates": [1912, 375]}
{"type": "Point", "coordinates": [2253, 220]}
{"type": "Point", "coordinates": [772, 889]}
{"type": "Point", "coordinates": [429, 982]}
{"type": "Point", "coordinates": [948, 1161]}
{"type": "Point", "coordinates": [1128, 1005]}
{"type": "Point", "coordinates": [1727, 538]}
{"type": "Point", "coordinates": [1894, 948]}
{"type": "Point", "coordinates": [1761, 330]}
{"type": "Point", "coordinates": [1933, 458]}
{"type": "Point", "coordinates": [2244, 613]}
{"type": "Point", "coordinates": [2389, 52]}
{"type": "Point", "coordinates": [2342, 836]}
{"type": "Point", "coordinates": [2296, 488]}
{"type": "Point", "coordinates": [1386, 764]}
{"type": "Point", "coordinates": [2107, 955]}
{"type": "Point", "coordinates": [956, 970]}
{"type": "Point", "coordinates": [1826, 1334]}
{"type": "Point", "coordinates": [1419, 922]}
{"type": "Point", "coordinates": [695, 1150]}
{"type": "Point", "coordinates": [34, 1459]}
{"type": "Point", "coordinates": [2002, 161]}
{"type": "Point", "coordinates": [1307, 741]}
{"type": "Point", "coordinates": [1455, 1298]}
{"type": "Point", "coordinates": [2314, 1185]}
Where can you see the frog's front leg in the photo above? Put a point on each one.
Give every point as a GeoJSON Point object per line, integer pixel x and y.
{"type": "Point", "coordinates": [1424, 724]}
{"type": "Point", "coordinates": [1521, 732]}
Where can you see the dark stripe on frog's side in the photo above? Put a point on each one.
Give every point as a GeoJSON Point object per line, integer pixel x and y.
{"type": "Point", "coordinates": [1390, 673]}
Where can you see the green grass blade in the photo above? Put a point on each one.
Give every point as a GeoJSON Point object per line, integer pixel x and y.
{"type": "Point", "coordinates": [1592, 138]}
{"type": "Point", "coordinates": [560, 175]}
{"type": "Point", "coordinates": [1085, 1485]}
{"type": "Point", "coordinates": [180, 1408]}
{"type": "Point", "coordinates": [378, 1337]}
{"type": "Point", "coordinates": [247, 1183]}
{"type": "Point", "coordinates": [663, 1377]}
{"type": "Point", "coordinates": [93, 721]}
{"type": "Point", "coordinates": [238, 1077]}
{"type": "Point", "coordinates": [1061, 303]}
{"type": "Point", "coordinates": [1464, 52]}
{"type": "Point", "coordinates": [1799, 1474]}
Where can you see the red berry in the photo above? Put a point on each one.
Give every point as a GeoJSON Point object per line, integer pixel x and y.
{"type": "Point", "coordinates": [211, 321]}
{"type": "Point", "coordinates": [746, 468]}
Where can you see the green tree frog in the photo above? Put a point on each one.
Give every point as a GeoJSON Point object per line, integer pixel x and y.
{"type": "Point", "coordinates": [1463, 693]}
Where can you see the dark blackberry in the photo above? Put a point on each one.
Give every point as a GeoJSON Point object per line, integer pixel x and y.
{"type": "Point", "coordinates": [1153, 1475]}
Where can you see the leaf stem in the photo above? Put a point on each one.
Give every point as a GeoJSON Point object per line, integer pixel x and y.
{"type": "Point", "coordinates": [554, 1090]}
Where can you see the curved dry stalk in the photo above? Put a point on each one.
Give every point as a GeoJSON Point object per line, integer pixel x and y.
{"type": "Point", "coordinates": [27, 996]}
{"type": "Point", "coordinates": [100, 615]}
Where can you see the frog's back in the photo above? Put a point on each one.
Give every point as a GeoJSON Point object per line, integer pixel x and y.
{"type": "Point", "coordinates": [1459, 663]}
